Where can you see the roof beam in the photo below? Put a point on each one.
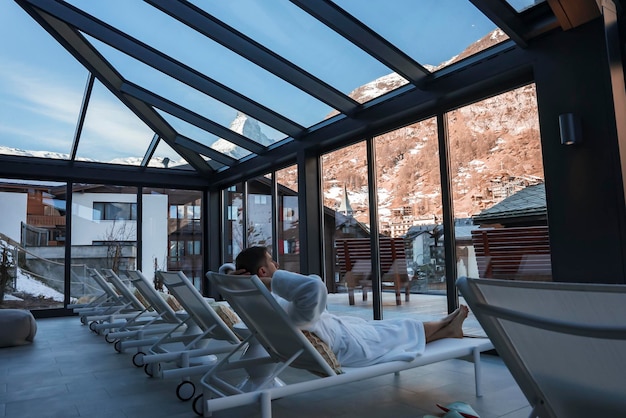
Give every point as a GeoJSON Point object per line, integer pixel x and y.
{"type": "Point", "coordinates": [150, 151]}
{"type": "Point", "coordinates": [362, 36]}
{"type": "Point", "coordinates": [34, 168]}
{"type": "Point", "coordinates": [81, 115]}
{"type": "Point", "coordinates": [191, 117]}
{"type": "Point", "coordinates": [206, 151]}
{"type": "Point", "coordinates": [248, 48]}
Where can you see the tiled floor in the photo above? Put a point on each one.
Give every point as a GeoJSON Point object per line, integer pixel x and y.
{"type": "Point", "coordinates": [71, 372]}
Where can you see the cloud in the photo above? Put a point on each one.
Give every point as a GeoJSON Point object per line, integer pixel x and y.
{"type": "Point", "coordinates": [41, 92]}
{"type": "Point", "coordinates": [42, 107]}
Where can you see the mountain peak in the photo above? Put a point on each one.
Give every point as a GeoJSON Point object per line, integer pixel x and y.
{"type": "Point", "coordinates": [245, 126]}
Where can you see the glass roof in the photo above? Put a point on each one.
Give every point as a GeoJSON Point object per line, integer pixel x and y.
{"type": "Point", "coordinates": [199, 84]}
{"type": "Point", "coordinates": [417, 27]}
{"type": "Point", "coordinates": [521, 5]}
{"type": "Point", "coordinates": [110, 132]}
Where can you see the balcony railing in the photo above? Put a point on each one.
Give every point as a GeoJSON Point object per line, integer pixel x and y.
{"type": "Point", "coordinates": [43, 220]}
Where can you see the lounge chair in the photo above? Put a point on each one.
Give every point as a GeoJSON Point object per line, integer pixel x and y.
{"type": "Point", "coordinates": [121, 304]}
{"type": "Point", "coordinates": [287, 346]}
{"type": "Point", "coordinates": [564, 343]}
{"type": "Point", "coordinates": [140, 334]}
{"type": "Point", "coordinates": [139, 314]}
{"type": "Point", "coordinates": [207, 336]}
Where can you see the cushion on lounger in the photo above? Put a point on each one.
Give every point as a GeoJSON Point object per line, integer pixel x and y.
{"type": "Point", "coordinates": [17, 327]}
{"type": "Point", "coordinates": [140, 298]}
{"type": "Point", "coordinates": [324, 351]}
{"type": "Point", "coordinates": [227, 315]}
{"type": "Point", "coordinates": [172, 301]}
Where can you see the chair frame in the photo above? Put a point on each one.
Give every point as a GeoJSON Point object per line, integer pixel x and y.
{"type": "Point", "coordinates": [530, 324]}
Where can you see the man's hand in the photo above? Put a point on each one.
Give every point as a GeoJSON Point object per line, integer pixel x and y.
{"type": "Point", "coordinates": [267, 281]}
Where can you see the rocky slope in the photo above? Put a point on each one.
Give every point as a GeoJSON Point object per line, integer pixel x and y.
{"type": "Point", "coordinates": [494, 147]}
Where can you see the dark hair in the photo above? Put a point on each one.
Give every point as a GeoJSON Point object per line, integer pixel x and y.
{"type": "Point", "coordinates": [251, 259]}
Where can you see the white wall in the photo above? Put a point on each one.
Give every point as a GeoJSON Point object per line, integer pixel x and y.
{"type": "Point", "coordinates": [155, 243]}
{"type": "Point", "coordinates": [12, 214]}
{"type": "Point", "coordinates": [85, 229]}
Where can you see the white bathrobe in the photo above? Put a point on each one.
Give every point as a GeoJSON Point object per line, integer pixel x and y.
{"type": "Point", "coordinates": [355, 341]}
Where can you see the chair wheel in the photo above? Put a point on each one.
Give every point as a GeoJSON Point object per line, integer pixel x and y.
{"type": "Point", "coordinates": [118, 346]}
{"type": "Point", "coordinates": [138, 359]}
{"type": "Point", "coordinates": [185, 390]}
{"type": "Point", "coordinates": [198, 405]}
{"type": "Point", "coordinates": [152, 369]}
{"type": "Point", "coordinates": [92, 326]}
{"type": "Point", "coordinates": [108, 338]}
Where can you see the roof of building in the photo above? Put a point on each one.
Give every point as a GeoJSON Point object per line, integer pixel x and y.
{"type": "Point", "coordinates": [524, 206]}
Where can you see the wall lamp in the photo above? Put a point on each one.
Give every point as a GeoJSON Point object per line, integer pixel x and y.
{"type": "Point", "coordinates": [569, 127]}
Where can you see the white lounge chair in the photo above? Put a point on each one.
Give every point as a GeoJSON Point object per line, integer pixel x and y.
{"type": "Point", "coordinates": [564, 343]}
{"type": "Point", "coordinates": [146, 332]}
{"type": "Point", "coordinates": [120, 304]}
{"type": "Point", "coordinates": [287, 346]}
{"type": "Point", "coordinates": [136, 315]}
{"type": "Point", "coordinates": [208, 335]}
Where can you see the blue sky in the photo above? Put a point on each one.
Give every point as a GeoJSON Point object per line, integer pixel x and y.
{"type": "Point", "coordinates": [41, 84]}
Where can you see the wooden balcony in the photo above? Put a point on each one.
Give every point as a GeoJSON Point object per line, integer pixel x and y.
{"type": "Point", "coordinates": [45, 221]}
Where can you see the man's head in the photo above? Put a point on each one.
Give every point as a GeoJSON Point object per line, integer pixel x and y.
{"type": "Point", "coordinates": [256, 260]}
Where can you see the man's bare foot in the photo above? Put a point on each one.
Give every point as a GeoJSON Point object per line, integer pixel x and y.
{"type": "Point", "coordinates": [450, 326]}
{"type": "Point", "coordinates": [447, 319]}
{"type": "Point", "coordinates": [455, 328]}
{"type": "Point", "coordinates": [460, 310]}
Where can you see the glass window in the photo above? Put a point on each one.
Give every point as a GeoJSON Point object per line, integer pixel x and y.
{"type": "Point", "coordinates": [114, 211]}
{"type": "Point", "coordinates": [176, 216]}
{"type": "Point", "coordinates": [409, 202]}
{"type": "Point", "coordinates": [40, 101]}
{"type": "Point", "coordinates": [110, 132]}
{"type": "Point", "coordinates": [418, 31]}
{"type": "Point", "coordinates": [345, 189]}
{"type": "Point", "coordinates": [496, 165]}
{"type": "Point", "coordinates": [233, 223]}
{"type": "Point", "coordinates": [104, 245]}
{"type": "Point", "coordinates": [32, 247]}
{"type": "Point", "coordinates": [259, 214]}
{"type": "Point", "coordinates": [297, 36]}
{"type": "Point", "coordinates": [521, 5]}
{"type": "Point", "coordinates": [288, 219]}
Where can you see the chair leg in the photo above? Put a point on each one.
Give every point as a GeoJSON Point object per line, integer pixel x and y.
{"type": "Point", "coordinates": [351, 296]}
{"type": "Point", "coordinates": [407, 292]}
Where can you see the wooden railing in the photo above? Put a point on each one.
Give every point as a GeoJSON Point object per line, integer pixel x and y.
{"type": "Point", "coordinates": [355, 266]}
{"type": "Point", "coordinates": [521, 253]}
{"type": "Point", "coordinates": [42, 220]}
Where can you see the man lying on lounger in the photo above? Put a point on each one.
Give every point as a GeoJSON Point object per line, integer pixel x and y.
{"type": "Point", "coordinates": [355, 341]}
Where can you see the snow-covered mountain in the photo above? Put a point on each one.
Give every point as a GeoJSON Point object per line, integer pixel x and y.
{"type": "Point", "coordinates": [246, 126]}
{"type": "Point", "coordinates": [154, 162]}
